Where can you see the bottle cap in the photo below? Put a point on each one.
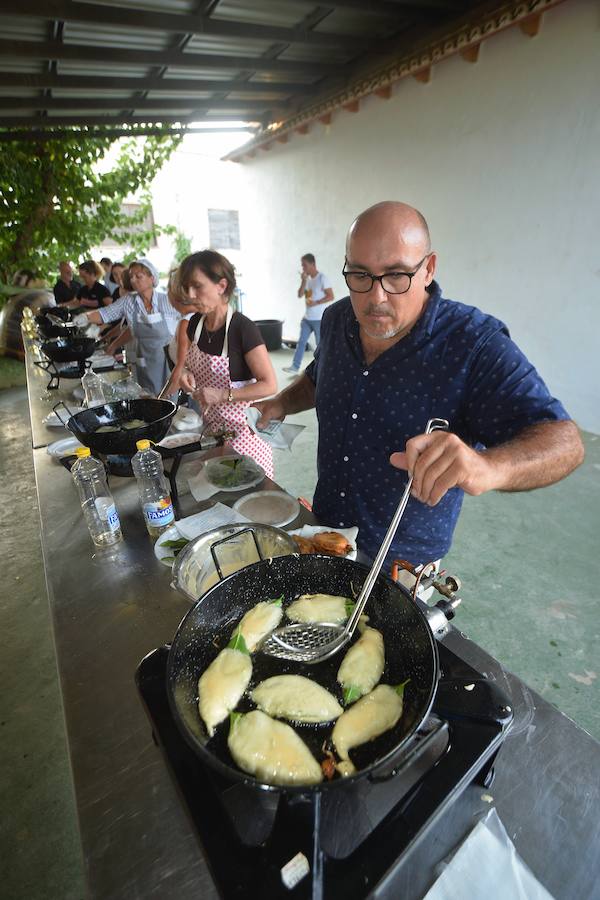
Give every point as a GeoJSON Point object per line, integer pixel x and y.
{"type": "Point", "coordinates": [80, 452]}
{"type": "Point", "coordinates": [142, 445]}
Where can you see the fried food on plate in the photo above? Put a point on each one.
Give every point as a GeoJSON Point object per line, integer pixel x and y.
{"type": "Point", "coordinates": [332, 543]}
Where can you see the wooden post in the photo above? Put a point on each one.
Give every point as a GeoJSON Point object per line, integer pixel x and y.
{"type": "Point", "coordinates": [470, 54]}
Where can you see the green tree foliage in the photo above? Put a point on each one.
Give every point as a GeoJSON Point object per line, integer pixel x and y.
{"type": "Point", "coordinates": [58, 199]}
{"type": "Point", "coordinates": [183, 246]}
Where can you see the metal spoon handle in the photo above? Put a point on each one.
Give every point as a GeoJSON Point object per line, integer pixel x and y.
{"type": "Point", "coordinates": [432, 425]}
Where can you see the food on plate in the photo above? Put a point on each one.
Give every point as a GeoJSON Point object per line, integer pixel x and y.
{"type": "Point", "coordinates": [271, 750]}
{"type": "Point", "coordinates": [222, 685]}
{"type": "Point", "coordinates": [231, 472]}
{"type": "Point", "coordinates": [363, 664]}
{"type": "Point", "coordinates": [320, 608]}
{"type": "Point", "coordinates": [369, 717]}
{"type": "Point", "coordinates": [259, 622]}
{"type": "Point", "coordinates": [296, 698]}
{"type": "Point", "coordinates": [120, 426]}
{"type": "Point", "coordinates": [331, 543]}
{"type": "Point", "coordinates": [175, 545]}
{"type": "Point", "coordinates": [304, 545]}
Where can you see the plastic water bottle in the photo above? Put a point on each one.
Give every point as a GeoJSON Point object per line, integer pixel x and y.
{"type": "Point", "coordinates": [93, 389]}
{"type": "Point", "coordinates": [155, 495]}
{"type": "Point", "coordinates": [98, 506]}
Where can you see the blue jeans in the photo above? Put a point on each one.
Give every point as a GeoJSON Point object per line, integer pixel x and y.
{"type": "Point", "coordinates": [306, 327]}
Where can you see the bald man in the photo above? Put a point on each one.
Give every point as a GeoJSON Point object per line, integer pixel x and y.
{"type": "Point", "coordinates": [393, 355]}
{"type": "Point", "coordinates": [66, 287]}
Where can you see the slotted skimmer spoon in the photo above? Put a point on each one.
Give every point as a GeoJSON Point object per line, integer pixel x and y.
{"type": "Point", "coordinates": [313, 642]}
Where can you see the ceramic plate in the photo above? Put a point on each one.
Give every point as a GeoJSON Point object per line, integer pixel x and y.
{"type": "Point", "coordinates": [179, 440]}
{"type": "Point", "coordinates": [242, 470]}
{"type": "Point", "coordinates": [268, 507]}
{"type": "Point", "coordinates": [65, 447]}
{"type": "Point", "coordinates": [162, 553]}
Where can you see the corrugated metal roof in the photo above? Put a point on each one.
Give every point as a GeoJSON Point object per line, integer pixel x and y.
{"type": "Point", "coordinates": [90, 60]}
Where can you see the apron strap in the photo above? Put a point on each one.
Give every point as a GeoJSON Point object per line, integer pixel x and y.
{"type": "Point", "coordinates": [200, 326]}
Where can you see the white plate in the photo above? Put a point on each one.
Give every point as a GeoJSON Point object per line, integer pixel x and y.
{"type": "Point", "coordinates": [350, 534]}
{"type": "Point", "coordinates": [254, 474]}
{"type": "Point", "coordinates": [160, 552]}
{"type": "Point", "coordinates": [53, 421]}
{"type": "Point", "coordinates": [268, 507]}
{"type": "Point", "coordinates": [64, 447]}
{"type": "Point", "coordinates": [179, 440]}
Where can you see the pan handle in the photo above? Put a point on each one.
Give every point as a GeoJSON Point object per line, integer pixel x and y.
{"type": "Point", "coordinates": [225, 540]}
{"type": "Point", "coordinates": [55, 409]}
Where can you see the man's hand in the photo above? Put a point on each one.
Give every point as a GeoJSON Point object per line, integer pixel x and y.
{"type": "Point", "coordinates": [440, 461]}
{"type": "Point", "coordinates": [269, 409]}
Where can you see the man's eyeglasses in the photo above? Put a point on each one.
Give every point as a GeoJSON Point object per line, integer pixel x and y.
{"type": "Point", "coordinates": [391, 282]}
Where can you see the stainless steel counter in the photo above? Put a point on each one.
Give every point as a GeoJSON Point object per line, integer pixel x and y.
{"type": "Point", "coordinates": [111, 607]}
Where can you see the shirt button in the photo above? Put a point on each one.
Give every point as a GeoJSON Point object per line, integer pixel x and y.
{"type": "Point", "coordinates": [354, 416]}
{"type": "Point", "coordinates": [346, 459]}
{"type": "Point", "coordinates": [366, 372]}
{"type": "Point", "coordinates": [341, 525]}
{"type": "Point", "coordinates": [342, 493]}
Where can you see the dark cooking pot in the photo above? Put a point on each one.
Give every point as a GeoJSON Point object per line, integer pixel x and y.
{"type": "Point", "coordinates": [69, 349]}
{"type": "Point", "coordinates": [410, 651]}
{"type": "Point", "coordinates": [157, 413]}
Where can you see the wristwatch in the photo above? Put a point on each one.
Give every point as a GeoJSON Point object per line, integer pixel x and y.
{"type": "Point", "coordinates": [230, 396]}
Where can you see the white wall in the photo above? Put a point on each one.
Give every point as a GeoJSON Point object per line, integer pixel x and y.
{"type": "Point", "coordinates": [500, 156]}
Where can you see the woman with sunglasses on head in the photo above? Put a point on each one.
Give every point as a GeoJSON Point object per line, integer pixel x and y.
{"type": "Point", "coordinates": [222, 359]}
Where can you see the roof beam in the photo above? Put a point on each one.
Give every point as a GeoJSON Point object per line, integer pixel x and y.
{"type": "Point", "coordinates": [390, 9]}
{"type": "Point", "coordinates": [87, 53]}
{"type": "Point", "coordinates": [82, 122]}
{"type": "Point", "coordinates": [165, 85]}
{"type": "Point", "coordinates": [172, 23]}
{"type": "Point", "coordinates": [39, 135]}
{"type": "Point", "coordinates": [115, 103]}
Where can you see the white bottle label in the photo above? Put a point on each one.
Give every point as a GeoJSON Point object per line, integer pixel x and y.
{"type": "Point", "coordinates": [159, 513]}
{"type": "Point", "coordinates": [108, 513]}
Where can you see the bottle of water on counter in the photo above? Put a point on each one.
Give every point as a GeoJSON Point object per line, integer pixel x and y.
{"type": "Point", "coordinates": [93, 389]}
{"type": "Point", "coordinates": [98, 506]}
{"type": "Point", "coordinates": [155, 495]}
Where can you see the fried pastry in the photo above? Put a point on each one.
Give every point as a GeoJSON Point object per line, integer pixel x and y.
{"type": "Point", "coordinates": [331, 542]}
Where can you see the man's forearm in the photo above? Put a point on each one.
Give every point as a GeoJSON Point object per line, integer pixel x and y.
{"type": "Point", "coordinates": [299, 396]}
{"type": "Point", "coordinates": [541, 455]}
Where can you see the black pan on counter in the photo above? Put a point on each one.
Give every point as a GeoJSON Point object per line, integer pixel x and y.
{"type": "Point", "coordinates": [52, 329]}
{"type": "Point", "coordinates": [410, 651]}
{"type": "Point", "coordinates": [158, 415]}
{"type": "Point", "coordinates": [69, 349]}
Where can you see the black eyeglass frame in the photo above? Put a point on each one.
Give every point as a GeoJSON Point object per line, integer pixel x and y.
{"type": "Point", "coordinates": [379, 278]}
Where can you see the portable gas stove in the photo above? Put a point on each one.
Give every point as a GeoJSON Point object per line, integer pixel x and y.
{"type": "Point", "coordinates": [355, 842]}
{"type": "Point", "coordinates": [56, 371]}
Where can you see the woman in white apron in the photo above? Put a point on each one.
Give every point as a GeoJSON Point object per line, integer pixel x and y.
{"type": "Point", "coordinates": [151, 320]}
{"type": "Point", "coordinates": [221, 355]}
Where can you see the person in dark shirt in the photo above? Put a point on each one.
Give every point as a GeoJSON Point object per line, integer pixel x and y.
{"type": "Point", "coordinates": [92, 294]}
{"type": "Point", "coordinates": [66, 287]}
{"type": "Point", "coordinates": [222, 359]}
{"type": "Point", "coordinates": [393, 355]}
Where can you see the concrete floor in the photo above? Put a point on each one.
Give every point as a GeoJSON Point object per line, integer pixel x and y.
{"type": "Point", "coordinates": [530, 571]}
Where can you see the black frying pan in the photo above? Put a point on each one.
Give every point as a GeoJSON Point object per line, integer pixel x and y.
{"type": "Point", "coordinates": [410, 650]}
{"type": "Point", "coordinates": [157, 413]}
{"type": "Point", "coordinates": [69, 349]}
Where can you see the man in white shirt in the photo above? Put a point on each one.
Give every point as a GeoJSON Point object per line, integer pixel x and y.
{"type": "Point", "coordinates": [316, 289]}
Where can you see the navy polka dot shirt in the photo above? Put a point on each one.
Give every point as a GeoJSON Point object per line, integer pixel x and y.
{"type": "Point", "coordinates": [458, 364]}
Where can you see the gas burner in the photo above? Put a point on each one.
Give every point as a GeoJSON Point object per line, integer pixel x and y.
{"type": "Point", "coordinates": [355, 838]}
{"type": "Point", "coordinates": [75, 371]}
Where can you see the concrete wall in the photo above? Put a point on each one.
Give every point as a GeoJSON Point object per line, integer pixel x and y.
{"type": "Point", "coordinates": [500, 156]}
